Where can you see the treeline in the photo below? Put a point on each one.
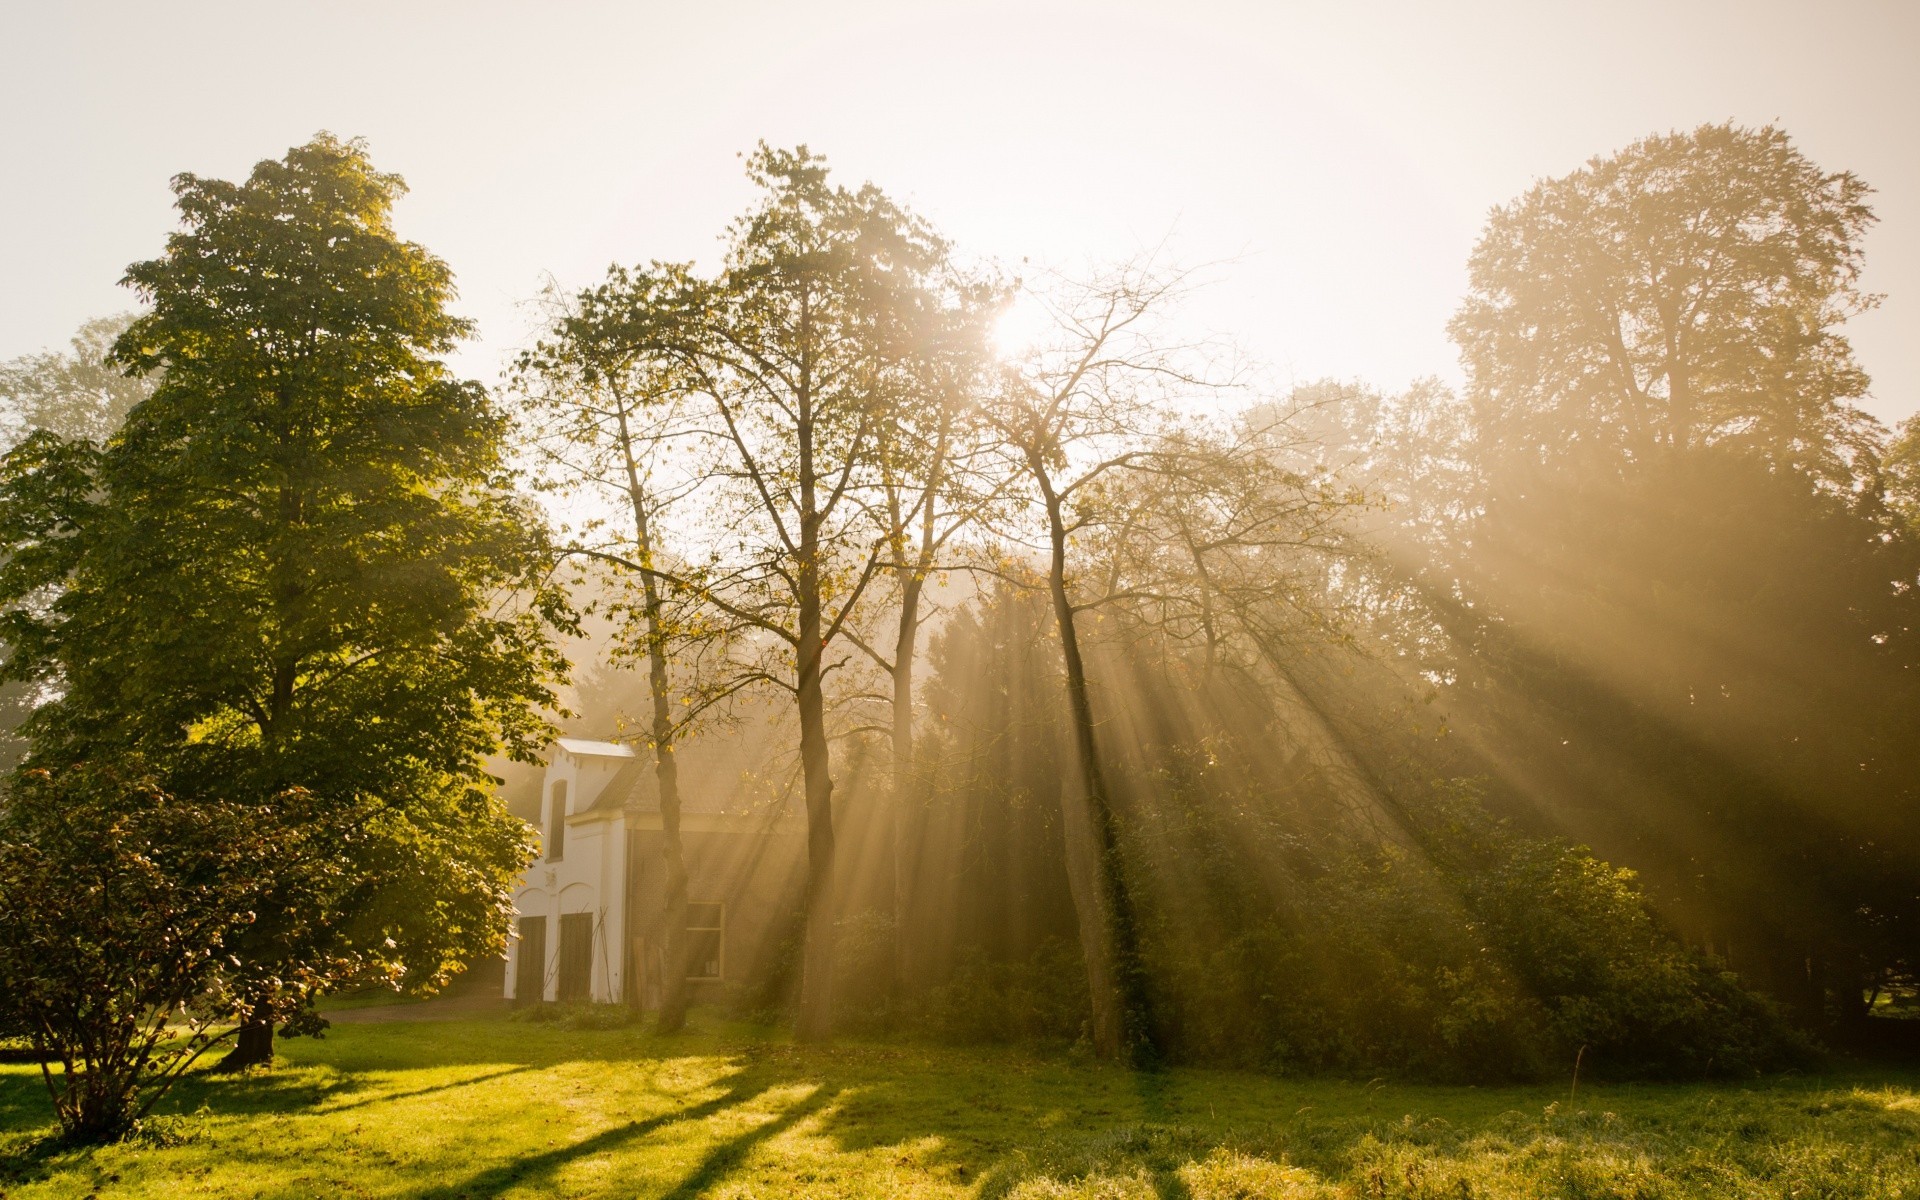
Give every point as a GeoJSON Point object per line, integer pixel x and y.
{"type": "Point", "coordinates": [1217, 724]}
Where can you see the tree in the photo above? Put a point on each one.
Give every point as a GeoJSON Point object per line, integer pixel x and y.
{"type": "Point", "coordinates": [1192, 536]}
{"type": "Point", "coordinates": [1681, 617]}
{"type": "Point", "coordinates": [796, 355]}
{"type": "Point", "coordinates": [1902, 465]}
{"type": "Point", "coordinates": [607, 388]}
{"type": "Point", "coordinates": [1075, 413]}
{"type": "Point", "coordinates": [301, 564]}
{"type": "Point", "coordinates": [1685, 291]}
{"type": "Point", "coordinates": [120, 910]}
{"type": "Point", "coordinates": [936, 478]}
{"type": "Point", "coordinates": [79, 396]}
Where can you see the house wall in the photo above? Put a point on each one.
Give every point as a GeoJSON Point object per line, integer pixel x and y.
{"type": "Point", "coordinates": [752, 864]}
{"type": "Point", "coordinates": [589, 872]}
{"type": "Point", "coordinates": [753, 868]}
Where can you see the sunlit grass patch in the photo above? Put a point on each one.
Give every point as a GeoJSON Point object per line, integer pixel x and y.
{"type": "Point", "coordinates": [507, 1109]}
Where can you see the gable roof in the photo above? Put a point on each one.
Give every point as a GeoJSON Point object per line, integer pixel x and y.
{"type": "Point", "coordinates": [586, 749]}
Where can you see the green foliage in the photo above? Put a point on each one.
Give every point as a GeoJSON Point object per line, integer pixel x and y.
{"type": "Point", "coordinates": [1041, 999]}
{"type": "Point", "coordinates": [1706, 668]}
{"type": "Point", "coordinates": [1292, 924]}
{"type": "Point", "coordinates": [81, 394]}
{"type": "Point", "coordinates": [1657, 569]}
{"type": "Point", "coordinates": [300, 564]}
{"type": "Point", "coordinates": [124, 912]}
{"type": "Point", "coordinates": [1686, 291]}
{"type": "Point", "coordinates": [1902, 465]}
{"type": "Point", "coordinates": [1467, 952]}
{"type": "Point", "coordinates": [79, 399]}
{"type": "Point", "coordinates": [1582, 939]}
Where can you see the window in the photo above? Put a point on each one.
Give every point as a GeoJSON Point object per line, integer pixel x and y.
{"type": "Point", "coordinates": [706, 940]}
{"type": "Point", "coordinates": [557, 823]}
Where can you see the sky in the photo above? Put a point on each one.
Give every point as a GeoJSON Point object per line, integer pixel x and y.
{"type": "Point", "coordinates": [1333, 162]}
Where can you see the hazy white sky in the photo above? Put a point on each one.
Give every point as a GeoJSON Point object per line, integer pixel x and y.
{"type": "Point", "coordinates": [1344, 154]}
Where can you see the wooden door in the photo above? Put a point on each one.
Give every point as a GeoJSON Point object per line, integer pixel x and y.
{"type": "Point", "coordinates": [530, 969]}
{"type": "Point", "coordinates": [576, 957]}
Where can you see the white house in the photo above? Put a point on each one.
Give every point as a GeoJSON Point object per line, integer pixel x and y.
{"type": "Point", "coordinates": [589, 909]}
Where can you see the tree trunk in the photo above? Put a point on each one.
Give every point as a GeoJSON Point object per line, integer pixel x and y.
{"type": "Point", "coordinates": [1109, 938]}
{"type": "Point", "coordinates": [816, 978]}
{"type": "Point", "coordinates": [666, 769]}
{"type": "Point", "coordinates": [912, 580]}
{"type": "Point", "coordinates": [253, 1046]}
{"type": "Point", "coordinates": [904, 830]}
{"type": "Point", "coordinates": [815, 1020]}
{"type": "Point", "coordinates": [673, 988]}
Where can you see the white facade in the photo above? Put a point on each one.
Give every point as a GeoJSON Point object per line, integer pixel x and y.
{"type": "Point", "coordinates": [578, 882]}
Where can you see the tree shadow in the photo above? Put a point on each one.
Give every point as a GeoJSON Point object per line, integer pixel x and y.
{"type": "Point", "coordinates": [724, 1158]}
{"type": "Point", "coordinates": [449, 1086]}
{"type": "Point", "coordinates": [986, 1121]}
{"type": "Point", "coordinates": [28, 1160]}
{"type": "Point", "coordinates": [743, 1089]}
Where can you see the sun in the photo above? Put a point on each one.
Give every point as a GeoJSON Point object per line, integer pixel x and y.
{"type": "Point", "coordinates": [1022, 327]}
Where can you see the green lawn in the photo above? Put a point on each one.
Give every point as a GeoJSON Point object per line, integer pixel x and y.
{"type": "Point", "coordinates": [499, 1108]}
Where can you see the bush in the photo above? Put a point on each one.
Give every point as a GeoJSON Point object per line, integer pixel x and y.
{"type": "Point", "coordinates": [1485, 956]}
{"type": "Point", "coordinates": [1579, 935]}
{"type": "Point", "coordinates": [1042, 998]}
{"type": "Point", "coordinates": [119, 908]}
{"type": "Point", "coordinates": [863, 997]}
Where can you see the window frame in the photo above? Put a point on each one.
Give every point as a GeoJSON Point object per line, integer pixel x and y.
{"type": "Point", "coordinates": [719, 930]}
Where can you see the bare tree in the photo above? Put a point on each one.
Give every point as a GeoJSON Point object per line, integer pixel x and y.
{"type": "Point", "coordinates": [607, 384]}
{"type": "Point", "coordinates": [1077, 413]}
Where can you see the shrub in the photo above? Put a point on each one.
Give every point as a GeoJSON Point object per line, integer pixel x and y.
{"type": "Point", "coordinates": [1579, 935]}
{"type": "Point", "coordinates": [1484, 955]}
{"type": "Point", "coordinates": [119, 908]}
{"type": "Point", "coordinates": [1042, 998]}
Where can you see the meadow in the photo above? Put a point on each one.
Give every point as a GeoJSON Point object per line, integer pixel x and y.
{"type": "Point", "coordinates": [498, 1108]}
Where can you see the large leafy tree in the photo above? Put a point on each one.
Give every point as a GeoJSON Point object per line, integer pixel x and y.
{"type": "Point", "coordinates": [1687, 616]}
{"type": "Point", "coordinates": [300, 564]}
{"type": "Point", "coordinates": [1686, 291]}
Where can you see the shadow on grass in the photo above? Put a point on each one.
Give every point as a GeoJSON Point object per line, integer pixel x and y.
{"type": "Point", "coordinates": [989, 1121]}
{"type": "Point", "coordinates": [728, 1155]}
{"type": "Point", "coordinates": [449, 1086]}
{"type": "Point", "coordinates": [714, 1166]}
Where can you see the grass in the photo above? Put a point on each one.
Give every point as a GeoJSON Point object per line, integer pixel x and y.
{"type": "Point", "coordinates": [367, 998]}
{"type": "Point", "coordinates": [492, 1108]}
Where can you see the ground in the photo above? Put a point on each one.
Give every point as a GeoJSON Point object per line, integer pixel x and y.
{"type": "Point", "coordinates": [497, 1108]}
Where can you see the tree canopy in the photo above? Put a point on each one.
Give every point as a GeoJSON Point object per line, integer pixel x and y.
{"type": "Point", "coordinates": [1688, 290]}
{"type": "Point", "coordinates": [300, 563]}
